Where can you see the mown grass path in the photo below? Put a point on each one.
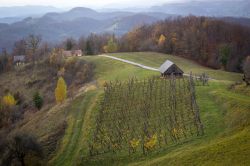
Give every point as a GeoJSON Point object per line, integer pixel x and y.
{"type": "Point", "coordinates": [77, 120]}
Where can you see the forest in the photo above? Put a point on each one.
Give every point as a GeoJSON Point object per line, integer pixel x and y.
{"type": "Point", "coordinates": [208, 41]}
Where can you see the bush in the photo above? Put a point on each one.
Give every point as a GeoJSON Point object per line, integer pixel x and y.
{"type": "Point", "coordinates": [38, 100]}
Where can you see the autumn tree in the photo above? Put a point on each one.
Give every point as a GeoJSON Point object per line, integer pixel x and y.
{"type": "Point", "coordinates": [161, 40]}
{"type": "Point", "coordinates": [9, 100]}
{"type": "Point", "coordinates": [56, 58]}
{"type": "Point", "coordinates": [246, 69]}
{"type": "Point", "coordinates": [111, 46]}
{"type": "Point", "coordinates": [61, 90]}
{"type": "Point", "coordinates": [20, 47]}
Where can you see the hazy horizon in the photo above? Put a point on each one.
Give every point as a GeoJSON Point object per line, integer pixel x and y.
{"type": "Point", "coordinates": [95, 4]}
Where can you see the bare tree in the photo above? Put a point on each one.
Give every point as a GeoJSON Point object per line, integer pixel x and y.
{"type": "Point", "coordinates": [33, 42]}
{"type": "Point", "coordinates": [246, 69]}
{"type": "Point", "coordinates": [18, 147]}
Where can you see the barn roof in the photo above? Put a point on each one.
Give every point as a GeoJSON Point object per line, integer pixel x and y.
{"type": "Point", "coordinates": [165, 66]}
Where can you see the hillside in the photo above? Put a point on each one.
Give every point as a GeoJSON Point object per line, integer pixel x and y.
{"type": "Point", "coordinates": [224, 127]}
{"type": "Point", "coordinates": [65, 129]}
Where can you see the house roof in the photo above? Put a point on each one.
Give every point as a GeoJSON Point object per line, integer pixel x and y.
{"type": "Point", "coordinates": [71, 53]}
{"type": "Point", "coordinates": [67, 53]}
{"type": "Point", "coordinates": [19, 58]}
{"type": "Point", "coordinates": [165, 66]}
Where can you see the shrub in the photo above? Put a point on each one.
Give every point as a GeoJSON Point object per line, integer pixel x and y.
{"type": "Point", "coordinates": [38, 100]}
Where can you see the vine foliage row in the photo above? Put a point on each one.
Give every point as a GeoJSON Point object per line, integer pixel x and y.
{"type": "Point", "coordinates": [142, 116]}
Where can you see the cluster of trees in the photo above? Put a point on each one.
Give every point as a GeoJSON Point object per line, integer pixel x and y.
{"type": "Point", "coordinates": [209, 41]}
{"type": "Point", "coordinates": [91, 45]}
{"type": "Point", "coordinates": [142, 116]}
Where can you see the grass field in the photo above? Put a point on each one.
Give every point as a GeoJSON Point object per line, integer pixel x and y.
{"type": "Point", "coordinates": [224, 112]}
{"type": "Point", "coordinates": [153, 59]}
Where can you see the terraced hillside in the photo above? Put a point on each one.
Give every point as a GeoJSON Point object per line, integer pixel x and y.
{"type": "Point", "coordinates": [224, 112]}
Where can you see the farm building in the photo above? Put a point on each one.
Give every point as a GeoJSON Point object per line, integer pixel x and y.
{"type": "Point", "coordinates": [19, 59]}
{"type": "Point", "coordinates": [168, 68]}
{"type": "Point", "coordinates": [72, 53]}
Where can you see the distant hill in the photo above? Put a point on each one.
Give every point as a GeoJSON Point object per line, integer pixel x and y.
{"type": "Point", "coordinates": [54, 26]}
{"type": "Point", "coordinates": [25, 11]}
{"type": "Point", "coordinates": [215, 8]}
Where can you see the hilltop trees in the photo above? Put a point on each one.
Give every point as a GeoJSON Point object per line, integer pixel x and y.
{"type": "Point", "coordinates": [61, 90]}
{"type": "Point", "coordinates": [111, 46]}
{"type": "Point", "coordinates": [211, 42]}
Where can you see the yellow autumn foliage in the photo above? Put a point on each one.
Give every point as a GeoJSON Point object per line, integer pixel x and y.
{"type": "Point", "coordinates": [162, 39]}
{"type": "Point", "coordinates": [134, 143]}
{"type": "Point", "coordinates": [61, 90]}
{"type": "Point", "coordinates": [150, 142]}
{"type": "Point", "coordinates": [9, 100]}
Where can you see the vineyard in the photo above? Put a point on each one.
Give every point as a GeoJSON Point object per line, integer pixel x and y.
{"type": "Point", "coordinates": [146, 115]}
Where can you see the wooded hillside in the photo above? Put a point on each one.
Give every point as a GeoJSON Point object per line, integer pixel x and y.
{"type": "Point", "coordinates": [211, 42]}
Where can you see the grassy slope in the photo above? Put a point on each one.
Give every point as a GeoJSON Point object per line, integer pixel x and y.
{"type": "Point", "coordinates": [226, 139]}
{"type": "Point", "coordinates": [156, 59]}
{"type": "Point", "coordinates": [81, 115]}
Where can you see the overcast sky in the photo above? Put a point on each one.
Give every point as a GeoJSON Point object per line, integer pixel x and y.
{"type": "Point", "coordinates": [87, 3]}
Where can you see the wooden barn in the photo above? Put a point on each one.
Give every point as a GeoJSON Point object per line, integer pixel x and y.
{"type": "Point", "coordinates": [168, 68]}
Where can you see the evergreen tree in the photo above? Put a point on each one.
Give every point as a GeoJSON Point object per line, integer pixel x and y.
{"type": "Point", "coordinates": [89, 49]}
{"type": "Point", "coordinates": [38, 100]}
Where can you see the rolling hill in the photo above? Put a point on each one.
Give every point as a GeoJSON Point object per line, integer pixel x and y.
{"type": "Point", "coordinates": [207, 8]}
{"type": "Point", "coordinates": [226, 138]}
{"type": "Point", "coordinates": [80, 21]}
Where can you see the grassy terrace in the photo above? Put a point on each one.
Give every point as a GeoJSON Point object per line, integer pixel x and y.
{"type": "Point", "coordinates": [226, 140]}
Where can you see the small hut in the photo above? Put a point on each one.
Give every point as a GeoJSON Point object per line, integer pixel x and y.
{"type": "Point", "coordinates": [168, 68]}
{"type": "Point", "coordinates": [19, 60]}
{"type": "Point", "coordinates": [72, 53]}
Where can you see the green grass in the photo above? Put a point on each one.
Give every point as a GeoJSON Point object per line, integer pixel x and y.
{"type": "Point", "coordinates": [224, 112]}
{"type": "Point", "coordinates": [226, 142]}
{"type": "Point", "coordinates": [78, 120]}
{"type": "Point", "coordinates": [153, 59]}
